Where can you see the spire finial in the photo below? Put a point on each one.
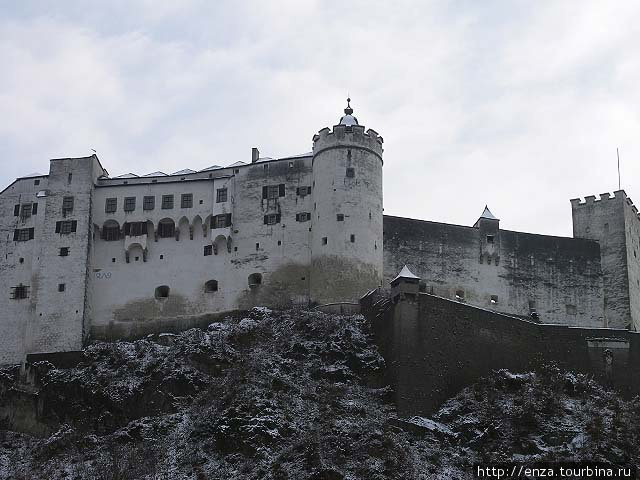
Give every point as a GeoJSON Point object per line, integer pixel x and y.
{"type": "Point", "coordinates": [348, 110]}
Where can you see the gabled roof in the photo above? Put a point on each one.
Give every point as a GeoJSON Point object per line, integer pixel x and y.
{"type": "Point", "coordinates": [212, 167]}
{"type": "Point", "coordinates": [405, 273]}
{"type": "Point", "coordinates": [127, 175]}
{"type": "Point", "coordinates": [183, 172]}
{"type": "Point", "coordinates": [237, 164]}
{"type": "Point", "coordinates": [156, 174]}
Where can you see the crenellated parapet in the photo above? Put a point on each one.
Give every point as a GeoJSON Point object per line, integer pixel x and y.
{"type": "Point", "coordinates": [352, 136]}
{"type": "Point", "coordinates": [603, 199]}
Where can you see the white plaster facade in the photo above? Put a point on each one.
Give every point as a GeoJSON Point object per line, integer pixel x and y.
{"type": "Point", "coordinates": [231, 238]}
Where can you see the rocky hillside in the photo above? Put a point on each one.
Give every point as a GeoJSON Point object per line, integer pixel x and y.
{"type": "Point", "coordinates": [293, 395]}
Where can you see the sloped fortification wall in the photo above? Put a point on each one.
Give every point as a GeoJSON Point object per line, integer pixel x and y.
{"type": "Point", "coordinates": [560, 278]}
{"type": "Point", "coordinates": [434, 347]}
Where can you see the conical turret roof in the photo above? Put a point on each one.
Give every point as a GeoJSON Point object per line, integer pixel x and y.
{"type": "Point", "coordinates": [405, 273]}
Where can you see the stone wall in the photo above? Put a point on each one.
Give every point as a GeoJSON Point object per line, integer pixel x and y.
{"type": "Point", "coordinates": [613, 222]}
{"type": "Point", "coordinates": [434, 347]}
{"type": "Point", "coordinates": [560, 278]}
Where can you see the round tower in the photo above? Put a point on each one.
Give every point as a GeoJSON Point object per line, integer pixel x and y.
{"type": "Point", "coordinates": [346, 222]}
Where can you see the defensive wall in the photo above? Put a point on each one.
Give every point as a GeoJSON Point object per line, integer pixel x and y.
{"type": "Point", "coordinates": [518, 273]}
{"type": "Point", "coordinates": [434, 347]}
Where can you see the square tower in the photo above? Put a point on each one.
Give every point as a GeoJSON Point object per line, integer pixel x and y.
{"type": "Point", "coordinates": [613, 221]}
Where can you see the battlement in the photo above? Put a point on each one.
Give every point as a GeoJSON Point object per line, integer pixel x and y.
{"type": "Point", "coordinates": [619, 195]}
{"type": "Point", "coordinates": [591, 199]}
{"type": "Point", "coordinates": [344, 135]}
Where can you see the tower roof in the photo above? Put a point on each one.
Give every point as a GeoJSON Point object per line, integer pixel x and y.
{"type": "Point", "coordinates": [405, 273]}
{"type": "Point", "coordinates": [486, 215]}
{"type": "Point", "coordinates": [348, 119]}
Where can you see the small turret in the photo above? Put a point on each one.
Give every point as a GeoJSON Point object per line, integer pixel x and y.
{"type": "Point", "coordinates": [489, 226]}
{"type": "Point", "coordinates": [405, 283]}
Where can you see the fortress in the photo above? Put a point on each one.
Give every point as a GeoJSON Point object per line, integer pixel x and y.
{"type": "Point", "coordinates": [88, 256]}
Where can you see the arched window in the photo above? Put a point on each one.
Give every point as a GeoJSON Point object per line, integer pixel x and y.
{"type": "Point", "coordinates": [166, 228]}
{"type": "Point", "coordinates": [211, 286]}
{"type": "Point", "coordinates": [162, 291]}
{"type": "Point", "coordinates": [110, 231]}
{"type": "Point", "coordinates": [255, 279]}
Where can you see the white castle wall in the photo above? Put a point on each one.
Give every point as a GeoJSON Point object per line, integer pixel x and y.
{"type": "Point", "coordinates": [16, 265]}
{"type": "Point", "coordinates": [123, 293]}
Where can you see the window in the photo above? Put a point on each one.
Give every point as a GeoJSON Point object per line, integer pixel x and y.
{"type": "Point", "coordinates": [255, 279]}
{"type": "Point", "coordinates": [208, 250]}
{"type": "Point", "coordinates": [129, 204]}
{"type": "Point", "coordinates": [303, 191]}
{"type": "Point", "coordinates": [69, 177]}
{"type": "Point", "coordinates": [211, 286]}
{"type": "Point", "coordinates": [148, 202]}
{"type": "Point", "coordinates": [16, 210]}
{"type": "Point", "coordinates": [110, 205]}
{"type": "Point", "coordinates": [265, 167]}
{"type": "Point", "coordinates": [340, 217]}
{"type": "Point", "coordinates": [25, 212]}
{"type": "Point", "coordinates": [20, 292]}
{"type": "Point", "coordinates": [237, 170]}
{"type": "Point", "coordinates": [167, 202]}
{"type": "Point", "coordinates": [460, 295]}
{"type": "Point", "coordinates": [221, 195]}
{"type": "Point", "coordinates": [352, 238]}
{"type": "Point", "coordinates": [490, 239]}
{"type": "Point", "coordinates": [572, 310]}
{"type": "Point", "coordinates": [64, 252]}
{"type": "Point", "coordinates": [351, 172]}
{"type": "Point", "coordinates": [67, 205]}
{"type": "Point", "coordinates": [111, 232]}
{"type": "Point", "coordinates": [303, 217]}
{"type": "Point", "coordinates": [23, 234]}
{"type": "Point", "coordinates": [272, 219]}
{"type": "Point", "coordinates": [271, 192]}
{"type": "Point", "coordinates": [135, 229]}
{"type": "Point", "coordinates": [186, 201]}
{"type": "Point", "coordinates": [221, 221]}
{"type": "Point", "coordinates": [290, 164]}
{"type": "Point", "coordinates": [166, 228]}
{"type": "Point", "coordinates": [67, 226]}
{"type": "Point", "coordinates": [36, 182]}
{"type": "Point", "coordinates": [61, 287]}
{"type": "Point", "coordinates": [324, 240]}
{"type": "Point", "coordinates": [162, 292]}
{"type": "Point", "coordinates": [494, 299]}
{"type": "Point", "coordinates": [257, 247]}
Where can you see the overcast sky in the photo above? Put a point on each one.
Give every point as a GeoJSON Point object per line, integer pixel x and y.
{"type": "Point", "coordinates": [519, 105]}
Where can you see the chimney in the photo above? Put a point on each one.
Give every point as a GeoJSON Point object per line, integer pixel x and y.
{"type": "Point", "coordinates": [255, 155]}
